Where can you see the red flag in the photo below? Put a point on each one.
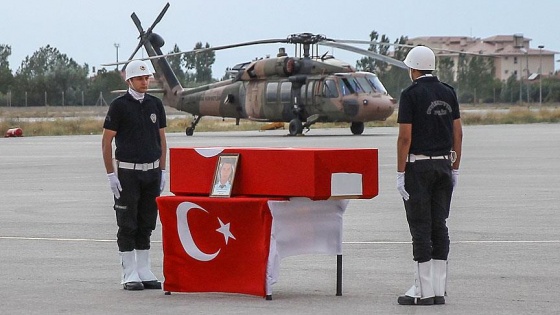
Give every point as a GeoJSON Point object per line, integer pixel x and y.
{"type": "Point", "coordinates": [215, 244]}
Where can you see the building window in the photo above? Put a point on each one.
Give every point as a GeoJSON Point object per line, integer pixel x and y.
{"type": "Point", "coordinates": [514, 60]}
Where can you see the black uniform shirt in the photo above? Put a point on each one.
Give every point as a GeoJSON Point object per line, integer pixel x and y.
{"type": "Point", "coordinates": [430, 106]}
{"type": "Point", "coordinates": [137, 125]}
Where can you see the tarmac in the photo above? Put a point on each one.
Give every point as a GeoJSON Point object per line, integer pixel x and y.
{"type": "Point", "coordinates": [59, 254]}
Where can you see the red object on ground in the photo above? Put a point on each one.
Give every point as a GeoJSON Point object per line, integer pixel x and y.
{"type": "Point", "coordinates": [14, 132]}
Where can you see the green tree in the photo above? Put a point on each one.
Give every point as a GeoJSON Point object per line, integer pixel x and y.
{"type": "Point", "coordinates": [381, 47]}
{"type": "Point", "coordinates": [396, 79]}
{"type": "Point", "coordinates": [102, 84]}
{"type": "Point", "coordinates": [445, 69]}
{"type": "Point", "coordinates": [6, 77]}
{"type": "Point", "coordinates": [510, 90]}
{"type": "Point", "coordinates": [201, 63]}
{"type": "Point", "coordinates": [51, 72]}
{"type": "Point", "coordinates": [177, 63]}
{"type": "Point", "coordinates": [462, 69]}
{"type": "Point", "coordinates": [477, 80]}
{"type": "Point", "coordinates": [368, 63]}
{"type": "Point", "coordinates": [551, 89]}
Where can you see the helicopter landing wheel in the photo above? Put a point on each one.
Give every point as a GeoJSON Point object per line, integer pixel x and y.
{"type": "Point", "coordinates": [189, 131]}
{"type": "Point", "coordinates": [357, 127]}
{"type": "Point", "coordinates": [295, 127]}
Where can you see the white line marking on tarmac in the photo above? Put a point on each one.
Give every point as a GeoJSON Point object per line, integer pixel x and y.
{"type": "Point", "coordinates": [58, 239]}
{"type": "Point", "coordinates": [464, 242]}
{"type": "Point", "coordinates": [349, 243]}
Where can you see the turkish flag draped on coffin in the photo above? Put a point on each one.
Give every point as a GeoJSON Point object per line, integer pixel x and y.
{"type": "Point", "coordinates": [215, 244]}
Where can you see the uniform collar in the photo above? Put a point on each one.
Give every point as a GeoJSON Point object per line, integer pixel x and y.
{"type": "Point", "coordinates": [136, 95]}
{"type": "Point", "coordinates": [427, 77]}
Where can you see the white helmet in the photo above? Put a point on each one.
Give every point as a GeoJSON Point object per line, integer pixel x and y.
{"type": "Point", "coordinates": [136, 68]}
{"type": "Point", "coordinates": [421, 58]}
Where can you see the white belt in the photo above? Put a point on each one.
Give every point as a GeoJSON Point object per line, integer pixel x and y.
{"type": "Point", "coordinates": [138, 166]}
{"type": "Point", "coordinates": [418, 157]}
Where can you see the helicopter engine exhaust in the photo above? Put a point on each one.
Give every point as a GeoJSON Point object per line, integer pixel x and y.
{"type": "Point", "coordinates": [156, 40]}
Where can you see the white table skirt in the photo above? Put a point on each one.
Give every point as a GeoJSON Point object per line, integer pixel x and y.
{"type": "Point", "coordinates": [303, 226]}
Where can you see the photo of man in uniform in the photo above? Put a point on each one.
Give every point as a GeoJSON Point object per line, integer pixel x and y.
{"type": "Point", "coordinates": [224, 176]}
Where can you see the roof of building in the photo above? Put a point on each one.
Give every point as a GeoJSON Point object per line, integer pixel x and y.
{"type": "Point", "coordinates": [503, 38]}
{"type": "Point", "coordinates": [498, 45]}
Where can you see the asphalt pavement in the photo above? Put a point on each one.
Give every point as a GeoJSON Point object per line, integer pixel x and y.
{"type": "Point", "coordinates": [59, 254]}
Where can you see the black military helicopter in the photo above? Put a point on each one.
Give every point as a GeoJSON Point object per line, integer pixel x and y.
{"type": "Point", "coordinates": [299, 90]}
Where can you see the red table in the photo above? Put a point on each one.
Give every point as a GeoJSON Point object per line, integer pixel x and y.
{"type": "Point", "coordinates": [285, 201]}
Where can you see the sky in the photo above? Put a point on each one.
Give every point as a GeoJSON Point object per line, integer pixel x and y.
{"type": "Point", "coordinates": [87, 31]}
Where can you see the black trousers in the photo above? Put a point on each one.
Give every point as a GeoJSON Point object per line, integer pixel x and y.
{"type": "Point", "coordinates": [136, 209]}
{"type": "Point", "coordinates": [429, 184]}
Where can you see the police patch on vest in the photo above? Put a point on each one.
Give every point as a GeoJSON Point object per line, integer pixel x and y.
{"type": "Point", "coordinates": [153, 117]}
{"type": "Point", "coordinates": [439, 108]}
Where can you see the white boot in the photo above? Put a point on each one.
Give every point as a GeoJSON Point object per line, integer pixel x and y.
{"type": "Point", "coordinates": [422, 292]}
{"type": "Point", "coordinates": [149, 280]}
{"type": "Point", "coordinates": [130, 279]}
{"type": "Point", "coordinates": [439, 273]}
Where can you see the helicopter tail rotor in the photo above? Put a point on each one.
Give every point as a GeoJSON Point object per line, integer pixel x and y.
{"type": "Point", "coordinates": [145, 35]}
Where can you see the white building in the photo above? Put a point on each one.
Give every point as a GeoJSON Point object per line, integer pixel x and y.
{"type": "Point", "coordinates": [512, 54]}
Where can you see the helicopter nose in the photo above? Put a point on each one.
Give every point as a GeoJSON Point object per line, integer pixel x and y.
{"type": "Point", "coordinates": [379, 107]}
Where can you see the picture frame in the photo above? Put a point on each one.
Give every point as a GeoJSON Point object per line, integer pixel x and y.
{"type": "Point", "coordinates": [224, 175]}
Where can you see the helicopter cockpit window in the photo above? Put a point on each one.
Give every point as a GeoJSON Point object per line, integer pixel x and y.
{"type": "Point", "coordinates": [377, 85]}
{"type": "Point", "coordinates": [329, 89]}
{"type": "Point", "coordinates": [355, 85]}
{"type": "Point", "coordinates": [364, 85]}
{"type": "Point", "coordinates": [345, 87]}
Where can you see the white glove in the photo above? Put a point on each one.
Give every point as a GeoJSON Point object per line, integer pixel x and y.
{"type": "Point", "coordinates": [115, 184]}
{"type": "Point", "coordinates": [400, 186]}
{"type": "Point", "coordinates": [162, 183]}
{"type": "Point", "coordinates": [455, 177]}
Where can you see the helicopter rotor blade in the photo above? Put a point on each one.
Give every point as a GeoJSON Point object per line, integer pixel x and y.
{"type": "Point", "coordinates": [136, 50]}
{"type": "Point", "coordinates": [144, 35]}
{"type": "Point", "coordinates": [158, 19]}
{"type": "Point", "coordinates": [137, 23]}
{"type": "Point", "coordinates": [437, 50]}
{"type": "Point", "coordinates": [256, 42]}
{"type": "Point", "coordinates": [141, 31]}
{"type": "Point", "coordinates": [367, 42]}
{"type": "Point", "coordinates": [365, 52]}
{"type": "Point", "coordinates": [201, 50]}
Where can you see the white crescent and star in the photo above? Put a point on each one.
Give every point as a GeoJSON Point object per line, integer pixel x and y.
{"type": "Point", "coordinates": [185, 235]}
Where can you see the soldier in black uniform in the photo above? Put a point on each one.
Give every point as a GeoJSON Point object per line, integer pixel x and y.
{"type": "Point", "coordinates": [137, 122]}
{"type": "Point", "coordinates": [428, 157]}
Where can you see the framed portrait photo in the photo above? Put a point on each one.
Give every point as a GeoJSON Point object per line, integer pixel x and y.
{"type": "Point", "coordinates": [224, 175]}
